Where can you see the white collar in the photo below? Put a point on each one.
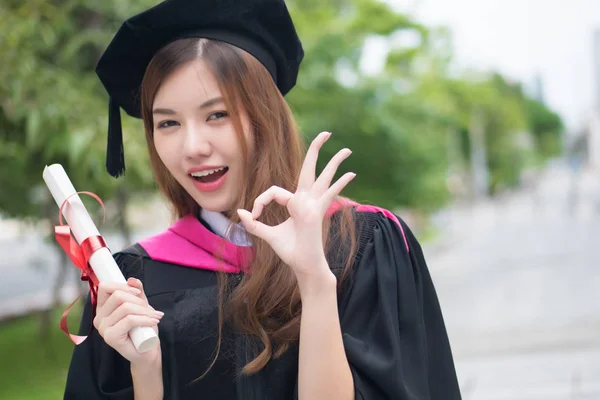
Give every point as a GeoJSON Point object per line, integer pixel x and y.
{"type": "Point", "coordinates": [223, 227]}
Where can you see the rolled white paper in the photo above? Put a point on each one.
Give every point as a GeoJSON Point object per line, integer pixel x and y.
{"type": "Point", "coordinates": [82, 226]}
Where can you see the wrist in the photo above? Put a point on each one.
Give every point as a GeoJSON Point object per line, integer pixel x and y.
{"type": "Point", "coordinates": [317, 284]}
{"type": "Point", "coordinates": [147, 367]}
{"type": "Point", "coordinates": [147, 379]}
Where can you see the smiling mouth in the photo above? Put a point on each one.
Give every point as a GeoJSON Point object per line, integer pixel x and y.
{"type": "Point", "coordinates": [209, 175]}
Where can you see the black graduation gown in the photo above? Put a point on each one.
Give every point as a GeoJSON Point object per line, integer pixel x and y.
{"type": "Point", "coordinates": [393, 330]}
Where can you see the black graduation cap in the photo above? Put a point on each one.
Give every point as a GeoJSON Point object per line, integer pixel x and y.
{"type": "Point", "coordinates": [263, 28]}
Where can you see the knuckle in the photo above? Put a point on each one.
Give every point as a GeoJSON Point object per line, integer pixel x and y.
{"type": "Point", "coordinates": [109, 337]}
{"type": "Point", "coordinates": [125, 308]}
{"type": "Point", "coordinates": [96, 322]}
{"type": "Point", "coordinates": [101, 328]}
{"type": "Point", "coordinates": [102, 288]}
{"type": "Point", "coordinates": [117, 295]}
{"type": "Point", "coordinates": [120, 296]}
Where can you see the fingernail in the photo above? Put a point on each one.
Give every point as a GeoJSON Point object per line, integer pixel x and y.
{"type": "Point", "coordinates": [159, 313]}
{"type": "Point", "coordinates": [136, 290]}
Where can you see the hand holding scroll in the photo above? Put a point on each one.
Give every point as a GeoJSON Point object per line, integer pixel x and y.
{"type": "Point", "coordinates": [122, 306]}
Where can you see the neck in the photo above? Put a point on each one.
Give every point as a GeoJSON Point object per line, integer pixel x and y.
{"type": "Point", "coordinates": [227, 213]}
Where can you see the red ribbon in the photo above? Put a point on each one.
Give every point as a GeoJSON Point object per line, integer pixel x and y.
{"type": "Point", "coordinates": [80, 256]}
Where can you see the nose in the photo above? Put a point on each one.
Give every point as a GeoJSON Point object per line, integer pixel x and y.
{"type": "Point", "coordinates": [196, 143]}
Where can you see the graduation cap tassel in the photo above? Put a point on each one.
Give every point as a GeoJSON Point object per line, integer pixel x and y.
{"type": "Point", "coordinates": [115, 158]}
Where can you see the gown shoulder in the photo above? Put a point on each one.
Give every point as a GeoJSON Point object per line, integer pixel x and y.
{"type": "Point", "coordinates": [392, 324]}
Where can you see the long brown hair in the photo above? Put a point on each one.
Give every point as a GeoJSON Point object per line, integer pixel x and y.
{"type": "Point", "coordinates": [266, 303]}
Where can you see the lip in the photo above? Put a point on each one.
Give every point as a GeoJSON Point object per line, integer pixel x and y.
{"type": "Point", "coordinates": [209, 186]}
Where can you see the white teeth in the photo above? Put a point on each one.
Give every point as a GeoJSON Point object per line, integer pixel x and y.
{"type": "Point", "coordinates": [206, 172]}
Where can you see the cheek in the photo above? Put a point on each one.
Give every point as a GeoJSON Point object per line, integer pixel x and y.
{"type": "Point", "coordinates": [162, 149]}
{"type": "Point", "coordinates": [249, 138]}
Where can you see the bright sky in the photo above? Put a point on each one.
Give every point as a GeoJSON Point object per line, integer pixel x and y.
{"type": "Point", "coordinates": [521, 38]}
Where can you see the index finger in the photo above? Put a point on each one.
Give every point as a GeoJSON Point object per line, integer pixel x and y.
{"type": "Point", "coordinates": [105, 289]}
{"type": "Point", "coordinates": [309, 167]}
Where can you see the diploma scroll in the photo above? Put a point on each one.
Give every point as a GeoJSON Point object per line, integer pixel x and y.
{"type": "Point", "coordinates": [102, 262]}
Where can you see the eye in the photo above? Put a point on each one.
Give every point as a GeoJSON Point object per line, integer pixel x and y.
{"type": "Point", "coordinates": [167, 124]}
{"type": "Point", "coordinates": [218, 115]}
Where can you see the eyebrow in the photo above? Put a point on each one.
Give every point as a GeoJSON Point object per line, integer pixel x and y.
{"type": "Point", "coordinates": [206, 104]}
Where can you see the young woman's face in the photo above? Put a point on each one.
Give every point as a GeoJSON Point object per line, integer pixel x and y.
{"type": "Point", "coordinates": [195, 139]}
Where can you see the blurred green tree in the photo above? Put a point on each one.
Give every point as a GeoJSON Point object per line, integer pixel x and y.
{"type": "Point", "coordinates": [402, 123]}
{"type": "Point", "coordinates": [53, 110]}
{"type": "Point", "coordinates": [547, 128]}
{"type": "Point", "coordinates": [397, 156]}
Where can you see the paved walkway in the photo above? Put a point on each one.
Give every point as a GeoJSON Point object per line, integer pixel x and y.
{"type": "Point", "coordinates": [520, 290]}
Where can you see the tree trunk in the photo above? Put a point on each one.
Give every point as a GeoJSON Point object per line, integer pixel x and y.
{"type": "Point", "coordinates": [47, 324]}
{"type": "Point", "coordinates": [45, 317]}
{"type": "Point", "coordinates": [479, 167]}
{"type": "Point", "coordinates": [60, 279]}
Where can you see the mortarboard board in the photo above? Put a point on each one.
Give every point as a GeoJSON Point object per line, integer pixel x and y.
{"type": "Point", "coordinates": [263, 28]}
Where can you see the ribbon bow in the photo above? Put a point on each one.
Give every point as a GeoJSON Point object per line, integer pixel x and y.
{"type": "Point", "coordinates": [80, 256]}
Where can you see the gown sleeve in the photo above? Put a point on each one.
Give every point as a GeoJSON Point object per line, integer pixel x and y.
{"type": "Point", "coordinates": [393, 330]}
{"type": "Point", "coordinates": [97, 371]}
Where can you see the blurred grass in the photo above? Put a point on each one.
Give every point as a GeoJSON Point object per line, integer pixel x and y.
{"type": "Point", "coordinates": [32, 368]}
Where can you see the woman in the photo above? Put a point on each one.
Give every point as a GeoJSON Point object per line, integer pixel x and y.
{"type": "Point", "coordinates": [314, 298]}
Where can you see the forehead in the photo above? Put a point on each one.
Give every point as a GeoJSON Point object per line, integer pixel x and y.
{"type": "Point", "coordinates": [192, 80]}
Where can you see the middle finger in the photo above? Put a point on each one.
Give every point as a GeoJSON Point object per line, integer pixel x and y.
{"type": "Point", "coordinates": [324, 180]}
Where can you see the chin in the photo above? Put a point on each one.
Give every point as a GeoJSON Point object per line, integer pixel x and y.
{"type": "Point", "coordinates": [215, 206]}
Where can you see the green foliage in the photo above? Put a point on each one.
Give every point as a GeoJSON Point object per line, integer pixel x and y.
{"type": "Point", "coordinates": [396, 152]}
{"type": "Point", "coordinates": [547, 128]}
{"type": "Point", "coordinates": [54, 109]}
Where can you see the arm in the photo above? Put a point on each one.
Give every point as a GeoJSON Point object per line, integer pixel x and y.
{"type": "Point", "coordinates": [147, 380]}
{"type": "Point", "coordinates": [323, 370]}
{"type": "Point", "coordinates": [99, 372]}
